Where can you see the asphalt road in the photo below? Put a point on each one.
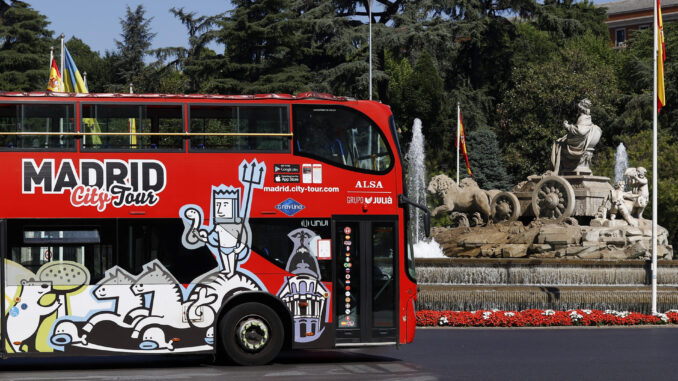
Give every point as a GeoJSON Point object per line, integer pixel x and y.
{"type": "Point", "coordinates": [627, 353]}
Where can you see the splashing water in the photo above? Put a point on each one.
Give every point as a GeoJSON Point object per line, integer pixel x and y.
{"type": "Point", "coordinates": [416, 185]}
{"type": "Point", "coordinates": [621, 162]}
{"type": "Point", "coordinates": [428, 249]}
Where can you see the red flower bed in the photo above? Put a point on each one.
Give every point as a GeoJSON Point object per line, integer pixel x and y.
{"type": "Point", "coordinates": [539, 318]}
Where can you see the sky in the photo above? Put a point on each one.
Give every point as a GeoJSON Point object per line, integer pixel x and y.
{"type": "Point", "coordinates": [97, 22]}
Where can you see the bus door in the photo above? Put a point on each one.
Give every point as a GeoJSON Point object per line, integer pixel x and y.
{"type": "Point", "coordinates": [366, 281]}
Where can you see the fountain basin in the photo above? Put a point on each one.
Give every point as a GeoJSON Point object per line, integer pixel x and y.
{"type": "Point", "coordinates": [518, 298]}
{"type": "Point", "coordinates": [542, 272]}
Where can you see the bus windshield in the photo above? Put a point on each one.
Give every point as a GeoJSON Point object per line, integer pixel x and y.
{"type": "Point", "coordinates": [341, 136]}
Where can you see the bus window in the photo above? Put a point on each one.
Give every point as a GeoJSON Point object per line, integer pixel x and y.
{"type": "Point", "coordinates": [155, 125]}
{"type": "Point", "coordinates": [340, 136]}
{"type": "Point", "coordinates": [142, 240]}
{"type": "Point", "coordinates": [270, 239]}
{"type": "Point", "coordinates": [208, 122]}
{"type": "Point", "coordinates": [99, 245]}
{"type": "Point", "coordinates": [49, 120]}
{"type": "Point", "coordinates": [36, 246]}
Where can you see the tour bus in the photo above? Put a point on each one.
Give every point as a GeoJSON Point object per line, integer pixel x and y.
{"type": "Point", "coordinates": [232, 225]}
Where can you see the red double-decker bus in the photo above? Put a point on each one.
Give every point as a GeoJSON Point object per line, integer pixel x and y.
{"type": "Point", "coordinates": [200, 224]}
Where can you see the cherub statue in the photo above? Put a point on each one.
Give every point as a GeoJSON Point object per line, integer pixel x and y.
{"type": "Point", "coordinates": [640, 191]}
{"type": "Point", "coordinates": [618, 204]}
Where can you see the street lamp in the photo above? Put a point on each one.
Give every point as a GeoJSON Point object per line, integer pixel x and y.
{"type": "Point", "coordinates": [369, 43]}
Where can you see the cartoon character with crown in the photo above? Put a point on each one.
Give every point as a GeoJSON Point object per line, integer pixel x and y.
{"type": "Point", "coordinates": [229, 235]}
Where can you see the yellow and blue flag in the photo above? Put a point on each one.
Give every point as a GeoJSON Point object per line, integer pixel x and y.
{"type": "Point", "coordinates": [73, 82]}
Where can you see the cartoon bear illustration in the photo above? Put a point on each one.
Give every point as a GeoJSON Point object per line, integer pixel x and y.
{"type": "Point", "coordinates": [25, 316]}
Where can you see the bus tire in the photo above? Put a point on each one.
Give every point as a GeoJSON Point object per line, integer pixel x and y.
{"type": "Point", "coordinates": [251, 334]}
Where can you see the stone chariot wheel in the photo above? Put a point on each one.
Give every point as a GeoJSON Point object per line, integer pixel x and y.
{"type": "Point", "coordinates": [505, 207]}
{"type": "Point", "coordinates": [553, 197]}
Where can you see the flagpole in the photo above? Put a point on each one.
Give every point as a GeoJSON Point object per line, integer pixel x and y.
{"type": "Point", "coordinates": [63, 59]}
{"type": "Point", "coordinates": [654, 165]}
{"type": "Point", "coordinates": [51, 57]}
{"type": "Point", "coordinates": [458, 131]}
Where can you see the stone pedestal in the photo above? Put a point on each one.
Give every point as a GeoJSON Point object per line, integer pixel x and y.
{"type": "Point", "coordinates": [590, 192]}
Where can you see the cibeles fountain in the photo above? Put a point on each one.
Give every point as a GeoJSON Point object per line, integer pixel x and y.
{"type": "Point", "coordinates": [563, 239]}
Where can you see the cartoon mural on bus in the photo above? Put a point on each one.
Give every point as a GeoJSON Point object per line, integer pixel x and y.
{"type": "Point", "coordinates": [26, 315]}
{"type": "Point", "coordinates": [229, 235]}
{"type": "Point", "coordinates": [39, 299]}
{"type": "Point", "coordinates": [151, 311]}
{"type": "Point", "coordinates": [304, 294]}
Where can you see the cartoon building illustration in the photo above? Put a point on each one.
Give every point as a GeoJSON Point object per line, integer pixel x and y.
{"type": "Point", "coordinates": [303, 293]}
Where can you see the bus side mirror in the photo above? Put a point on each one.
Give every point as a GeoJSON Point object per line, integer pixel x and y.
{"type": "Point", "coordinates": [403, 200]}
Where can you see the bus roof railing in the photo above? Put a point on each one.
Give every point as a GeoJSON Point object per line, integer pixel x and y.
{"type": "Point", "coordinates": [187, 134]}
{"type": "Point", "coordinates": [311, 95]}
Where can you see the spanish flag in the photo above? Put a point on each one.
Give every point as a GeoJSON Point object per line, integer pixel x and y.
{"type": "Point", "coordinates": [54, 83]}
{"type": "Point", "coordinates": [462, 142]}
{"type": "Point", "coordinates": [661, 57]}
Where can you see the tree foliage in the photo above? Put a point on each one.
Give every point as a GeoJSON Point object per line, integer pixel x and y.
{"type": "Point", "coordinates": [486, 160]}
{"type": "Point", "coordinates": [546, 94]}
{"type": "Point", "coordinates": [99, 70]}
{"type": "Point", "coordinates": [136, 42]}
{"type": "Point", "coordinates": [24, 47]}
{"type": "Point", "coordinates": [196, 61]}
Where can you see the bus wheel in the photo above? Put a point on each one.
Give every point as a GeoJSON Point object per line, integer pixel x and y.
{"type": "Point", "coordinates": [251, 334]}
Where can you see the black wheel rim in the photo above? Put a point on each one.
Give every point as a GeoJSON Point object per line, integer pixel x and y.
{"type": "Point", "coordinates": [252, 333]}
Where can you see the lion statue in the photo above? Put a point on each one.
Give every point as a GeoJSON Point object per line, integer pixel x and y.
{"type": "Point", "coordinates": [467, 197]}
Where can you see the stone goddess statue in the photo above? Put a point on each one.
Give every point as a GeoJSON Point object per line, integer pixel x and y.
{"type": "Point", "coordinates": [573, 152]}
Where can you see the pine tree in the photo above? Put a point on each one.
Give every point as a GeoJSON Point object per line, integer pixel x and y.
{"type": "Point", "coordinates": [262, 42]}
{"type": "Point", "coordinates": [195, 63]}
{"type": "Point", "coordinates": [24, 48]}
{"type": "Point", "coordinates": [487, 163]}
{"type": "Point", "coordinates": [136, 41]}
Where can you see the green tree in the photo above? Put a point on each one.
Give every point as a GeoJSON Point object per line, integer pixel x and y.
{"type": "Point", "coordinates": [532, 45]}
{"type": "Point", "coordinates": [635, 77]}
{"type": "Point", "coordinates": [99, 71]}
{"type": "Point", "coordinates": [261, 56]}
{"type": "Point", "coordinates": [485, 157]}
{"type": "Point", "coordinates": [195, 62]}
{"type": "Point", "coordinates": [415, 92]}
{"type": "Point", "coordinates": [325, 48]}
{"type": "Point", "coordinates": [136, 41]}
{"type": "Point", "coordinates": [565, 19]}
{"type": "Point", "coordinates": [24, 47]}
{"type": "Point", "coordinates": [545, 94]}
